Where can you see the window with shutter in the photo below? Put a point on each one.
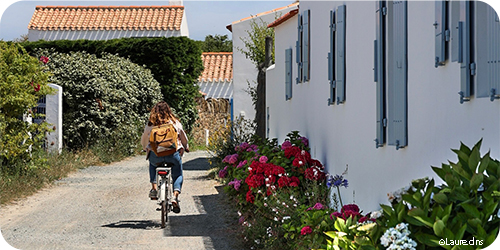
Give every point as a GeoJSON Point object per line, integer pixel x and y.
{"type": "Point", "coordinates": [379, 72]}
{"type": "Point", "coordinates": [441, 31]}
{"type": "Point", "coordinates": [340, 55]}
{"type": "Point", "coordinates": [306, 29]}
{"type": "Point", "coordinates": [298, 49]}
{"type": "Point", "coordinates": [288, 74]}
{"type": "Point", "coordinates": [331, 59]}
{"type": "Point", "coordinates": [488, 54]}
{"type": "Point", "coordinates": [397, 71]}
{"type": "Point", "coordinates": [467, 67]}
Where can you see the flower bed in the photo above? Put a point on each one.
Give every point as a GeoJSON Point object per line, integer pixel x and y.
{"type": "Point", "coordinates": [282, 195]}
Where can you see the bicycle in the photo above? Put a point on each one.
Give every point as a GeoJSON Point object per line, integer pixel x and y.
{"type": "Point", "coordinates": [164, 195]}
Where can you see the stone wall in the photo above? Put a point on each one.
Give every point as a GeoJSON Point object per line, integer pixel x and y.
{"type": "Point", "coordinates": [213, 115]}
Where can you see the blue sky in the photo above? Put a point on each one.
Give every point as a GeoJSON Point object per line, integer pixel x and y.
{"type": "Point", "coordinates": [203, 17]}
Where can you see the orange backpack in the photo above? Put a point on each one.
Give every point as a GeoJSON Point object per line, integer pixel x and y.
{"type": "Point", "coordinates": [163, 139]}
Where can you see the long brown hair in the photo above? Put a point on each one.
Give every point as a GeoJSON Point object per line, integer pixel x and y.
{"type": "Point", "coordinates": [161, 114]}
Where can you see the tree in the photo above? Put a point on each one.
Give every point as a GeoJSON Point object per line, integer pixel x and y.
{"type": "Point", "coordinates": [217, 43]}
{"type": "Point", "coordinates": [255, 44]}
{"type": "Point", "coordinates": [255, 50]}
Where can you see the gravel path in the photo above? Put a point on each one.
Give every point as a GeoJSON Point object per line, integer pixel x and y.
{"type": "Point", "coordinates": [108, 207]}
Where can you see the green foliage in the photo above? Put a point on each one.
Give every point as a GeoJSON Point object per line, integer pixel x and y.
{"type": "Point", "coordinates": [175, 63]}
{"type": "Point", "coordinates": [255, 44]}
{"type": "Point", "coordinates": [464, 209]}
{"type": "Point", "coordinates": [23, 81]}
{"type": "Point", "coordinates": [217, 43]}
{"type": "Point", "coordinates": [105, 99]}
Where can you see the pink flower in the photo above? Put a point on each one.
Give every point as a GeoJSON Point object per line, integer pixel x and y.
{"type": "Point", "coordinates": [233, 159]}
{"type": "Point", "coordinates": [335, 215]}
{"type": "Point", "coordinates": [306, 230]}
{"type": "Point", "coordinates": [44, 59]}
{"type": "Point", "coordinates": [235, 183]}
{"type": "Point", "coordinates": [223, 172]}
{"type": "Point", "coordinates": [285, 145]}
{"type": "Point", "coordinates": [317, 206]}
{"type": "Point", "coordinates": [263, 159]}
{"type": "Point", "coordinates": [241, 164]}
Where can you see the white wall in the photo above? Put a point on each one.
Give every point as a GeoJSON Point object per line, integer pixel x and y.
{"type": "Point", "coordinates": [50, 35]}
{"type": "Point", "coordinates": [344, 134]}
{"type": "Point", "coordinates": [244, 70]}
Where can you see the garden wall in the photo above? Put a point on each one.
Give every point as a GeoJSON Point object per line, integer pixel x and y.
{"type": "Point", "coordinates": [213, 114]}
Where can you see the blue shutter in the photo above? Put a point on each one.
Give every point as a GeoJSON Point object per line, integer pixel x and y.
{"type": "Point", "coordinates": [306, 45]}
{"type": "Point", "coordinates": [379, 72]}
{"type": "Point", "coordinates": [331, 55]}
{"type": "Point", "coordinates": [398, 80]}
{"type": "Point", "coordinates": [340, 48]}
{"type": "Point", "coordinates": [298, 48]}
{"type": "Point", "coordinates": [493, 45]}
{"type": "Point", "coordinates": [288, 74]}
{"type": "Point", "coordinates": [441, 32]}
{"type": "Point", "coordinates": [455, 18]}
{"type": "Point", "coordinates": [467, 68]}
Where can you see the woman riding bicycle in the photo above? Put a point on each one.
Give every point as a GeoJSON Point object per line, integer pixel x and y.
{"type": "Point", "coordinates": [162, 114]}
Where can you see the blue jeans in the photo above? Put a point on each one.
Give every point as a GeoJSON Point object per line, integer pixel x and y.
{"type": "Point", "coordinates": [175, 158]}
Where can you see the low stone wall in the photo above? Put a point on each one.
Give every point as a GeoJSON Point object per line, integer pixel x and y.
{"type": "Point", "coordinates": [213, 115]}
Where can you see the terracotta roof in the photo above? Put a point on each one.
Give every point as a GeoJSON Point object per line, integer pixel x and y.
{"type": "Point", "coordinates": [230, 26]}
{"type": "Point", "coordinates": [218, 66]}
{"type": "Point", "coordinates": [106, 18]}
{"type": "Point", "coordinates": [283, 18]}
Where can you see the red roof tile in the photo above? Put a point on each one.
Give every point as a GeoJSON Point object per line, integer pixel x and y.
{"type": "Point", "coordinates": [230, 26]}
{"type": "Point", "coordinates": [218, 66]}
{"type": "Point", "coordinates": [283, 18]}
{"type": "Point", "coordinates": [106, 18]}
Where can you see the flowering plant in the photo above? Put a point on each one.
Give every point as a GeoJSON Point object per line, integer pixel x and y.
{"type": "Point", "coordinates": [398, 238]}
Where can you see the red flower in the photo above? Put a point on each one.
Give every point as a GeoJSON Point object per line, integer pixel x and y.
{"type": "Point", "coordinates": [284, 181]}
{"type": "Point", "coordinates": [37, 88]}
{"type": "Point", "coordinates": [314, 173]}
{"type": "Point", "coordinates": [294, 181]}
{"type": "Point", "coordinates": [306, 230]}
{"type": "Point", "coordinates": [250, 197]}
{"type": "Point", "coordinates": [350, 207]}
{"type": "Point", "coordinates": [292, 152]}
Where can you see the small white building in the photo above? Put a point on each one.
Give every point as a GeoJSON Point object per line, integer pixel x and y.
{"type": "Point", "coordinates": [245, 71]}
{"type": "Point", "coordinates": [106, 22]}
{"type": "Point", "coordinates": [216, 80]}
{"type": "Point", "coordinates": [386, 88]}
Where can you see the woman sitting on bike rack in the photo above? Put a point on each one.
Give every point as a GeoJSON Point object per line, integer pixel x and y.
{"type": "Point", "coordinates": [162, 114]}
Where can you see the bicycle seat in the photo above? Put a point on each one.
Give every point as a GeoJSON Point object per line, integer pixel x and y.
{"type": "Point", "coordinates": [166, 165]}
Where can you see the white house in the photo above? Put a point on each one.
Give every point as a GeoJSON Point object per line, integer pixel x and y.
{"type": "Point", "coordinates": [386, 88]}
{"type": "Point", "coordinates": [245, 71]}
{"type": "Point", "coordinates": [107, 22]}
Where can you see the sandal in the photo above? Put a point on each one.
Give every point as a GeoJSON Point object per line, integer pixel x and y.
{"type": "Point", "coordinates": [175, 206]}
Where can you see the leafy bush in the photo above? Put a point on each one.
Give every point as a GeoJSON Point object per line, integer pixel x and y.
{"type": "Point", "coordinates": [105, 100]}
{"type": "Point", "coordinates": [465, 209]}
{"type": "Point", "coordinates": [23, 81]}
{"type": "Point", "coordinates": [175, 63]}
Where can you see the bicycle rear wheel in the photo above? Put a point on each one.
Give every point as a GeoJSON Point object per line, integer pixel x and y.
{"type": "Point", "coordinates": [164, 213]}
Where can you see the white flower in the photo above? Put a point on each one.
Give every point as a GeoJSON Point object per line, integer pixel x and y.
{"type": "Point", "coordinates": [376, 214]}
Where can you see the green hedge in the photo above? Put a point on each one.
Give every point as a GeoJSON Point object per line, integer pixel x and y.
{"type": "Point", "coordinates": [174, 61]}
{"type": "Point", "coordinates": [23, 80]}
{"type": "Point", "coordinates": [105, 100]}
